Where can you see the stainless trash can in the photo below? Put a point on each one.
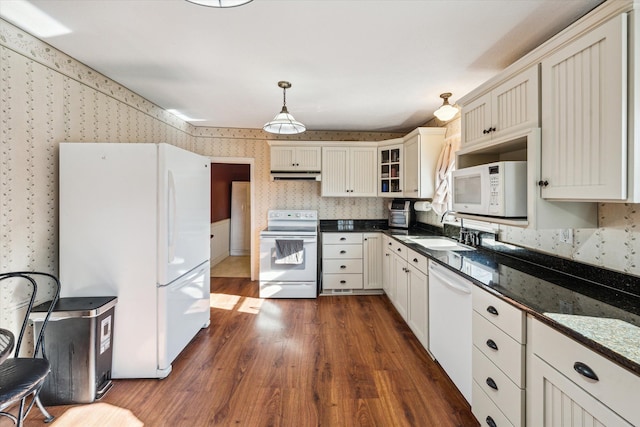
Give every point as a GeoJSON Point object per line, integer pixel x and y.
{"type": "Point", "coordinates": [78, 343]}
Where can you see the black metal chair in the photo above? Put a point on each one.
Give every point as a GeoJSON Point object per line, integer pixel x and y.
{"type": "Point", "coordinates": [21, 377]}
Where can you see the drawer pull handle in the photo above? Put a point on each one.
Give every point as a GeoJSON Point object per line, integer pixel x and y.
{"type": "Point", "coordinates": [490, 422]}
{"type": "Point", "coordinates": [343, 281]}
{"type": "Point", "coordinates": [491, 309]}
{"type": "Point", "coordinates": [343, 266]}
{"type": "Point", "coordinates": [492, 344]}
{"type": "Point", "coordinates": [585, 371]}
{"type": "Point", "coordinates": [491, 383]}
{"type": "Point", "coordinates": [343, 238]}
{"type": "Point", "coordinates": [343, 252]}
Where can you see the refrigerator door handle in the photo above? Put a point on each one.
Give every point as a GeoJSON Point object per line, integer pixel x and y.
{"type": "Point", "coordinates": [171, 218]}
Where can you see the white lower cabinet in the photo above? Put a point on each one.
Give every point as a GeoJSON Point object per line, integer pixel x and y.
{"type": "Point", "coordinates": [388, 282]}
{"type": "Point", "coordinates": [342, 266]}
{"type": "Point", "coordinates": [401, 282]}
{"type": "Point", "coordinates": [569, 385]}
{"type": "Point", "coordinates": [418, 296]}
{"type": "Point", "coordinates": [371, 253]}
{"type": "Point", "coordinates": [498, 393]}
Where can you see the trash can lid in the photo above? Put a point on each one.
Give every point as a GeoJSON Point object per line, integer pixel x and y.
{"type": "Point", "coordinates": [74, 307]}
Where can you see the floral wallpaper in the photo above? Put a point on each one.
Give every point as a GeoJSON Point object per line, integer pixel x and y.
{"type": "Point", "coordinates": [47, 97]}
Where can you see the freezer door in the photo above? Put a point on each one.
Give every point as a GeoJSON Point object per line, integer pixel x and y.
{"type": "Point", "coordinates": [184, 210]}
{"type": "Point", "coordinates": [183, 309]}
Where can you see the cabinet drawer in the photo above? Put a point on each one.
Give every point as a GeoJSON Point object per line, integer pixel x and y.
{"type": "Point", "coordinates": [334, 238]}
{"type": "Point", "coordinates": [505, 352]}
{"type": "Point", "coordinates": [342, 281]}
{"type": "Point", "coordinates": [419, 261]}
{"type": "Point", "coordinates": [507, 396]}
{"type": "Point", "coordinates": [342, 251]}
{"type": "Point", "coordinates": [342, 266]}
{"type": "Point", "coordinates": [502, 314]}
{"type": "Point", "coordinates": [616, 387]}
{"type": "Point", "coordinates": [485, 410]}
{"type": "Point", "coordinates": [399, 249]}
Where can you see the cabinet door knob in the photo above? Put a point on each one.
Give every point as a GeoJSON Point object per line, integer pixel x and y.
{"type": "Point", "coordinates": [585, 371]}
{"type": "Point", "coordinates": [492, 129]}
{"type": "Point", "coordinates": [490, 421]}
{"type": "Point", "coordinates": [491, 383]}
{"type": "Point", "coordinates": [491, 309]}
{"type": "Point", "coordinates": [415, 260]}
{"type": "Point", "coordinates": [542, 183]}
{"type": "Point", "coordinates": [492, 344]}
{"type": "Point", "coordinates": [389, 243]}
{"type": "Point", "coordinates": [485, 131]}
{"type": "Point", "coordinates": [399, 249]}
{"type": "Point", "coordinates": [386, 254]}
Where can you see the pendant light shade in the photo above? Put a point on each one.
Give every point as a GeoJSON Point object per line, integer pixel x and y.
{"type": "Point", "coordinates": [220, 3]}
{"type": "Point", "coordinates": [446, 111]}
{"type": "Point", "coordinates": [284, 123]}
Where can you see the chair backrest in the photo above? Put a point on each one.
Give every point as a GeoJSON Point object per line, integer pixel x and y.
{"type": "Point", "coordinates": [26, 278]}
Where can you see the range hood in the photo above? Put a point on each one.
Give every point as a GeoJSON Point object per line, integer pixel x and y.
{"type": "Point", "coordinates": [295, 175]}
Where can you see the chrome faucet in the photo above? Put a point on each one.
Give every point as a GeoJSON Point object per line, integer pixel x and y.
{"type": "Point", "coordinates": [447, 212]}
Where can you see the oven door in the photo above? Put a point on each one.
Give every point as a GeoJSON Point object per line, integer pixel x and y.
{"type": "Point", "coordinates": [274, 270]}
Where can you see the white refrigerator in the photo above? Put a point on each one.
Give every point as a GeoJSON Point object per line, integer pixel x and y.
{"type": "Point", "coordinates": [134, 223]}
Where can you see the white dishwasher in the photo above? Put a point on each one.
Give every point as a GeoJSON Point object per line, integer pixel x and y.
{"type": "Point", "coordinates": [450, 339]}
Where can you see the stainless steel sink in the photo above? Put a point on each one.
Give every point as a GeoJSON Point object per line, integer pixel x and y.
{"type": "Point", "coordinates": [439, 244]}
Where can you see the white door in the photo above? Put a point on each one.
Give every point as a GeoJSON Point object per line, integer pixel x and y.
{"type": "Point", "coordinates": [240, 237]}
{"type": "Point", "coordinates": [184, 182]}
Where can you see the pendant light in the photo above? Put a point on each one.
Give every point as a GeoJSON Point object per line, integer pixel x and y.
{"type": "Point", "coordinates": [220, 3]}
{"type": "Point", "coordinates": [446, 111]}
{"type": "Point", "coordinates": [283, 122]}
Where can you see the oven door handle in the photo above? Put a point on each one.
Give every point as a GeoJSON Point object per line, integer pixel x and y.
{"type": "Point", "coordinates": [305, 239]}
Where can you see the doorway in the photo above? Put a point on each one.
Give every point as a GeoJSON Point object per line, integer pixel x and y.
{"type": "Point", "coordinates": [232, 240]}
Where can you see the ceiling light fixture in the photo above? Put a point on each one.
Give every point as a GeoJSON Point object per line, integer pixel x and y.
{"type": "Point", "coordinates": [446, 111]}
{"type": "Point", "coordinates": [283, 122]}
{"type": "Point", "coordinates": [220, 3]}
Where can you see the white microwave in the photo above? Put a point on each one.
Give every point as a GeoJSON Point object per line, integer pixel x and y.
{"type": "Point", "coordinates": [495, 189]}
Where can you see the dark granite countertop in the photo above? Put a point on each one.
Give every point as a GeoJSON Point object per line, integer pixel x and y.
{"type": "Point", "coordinates": [599, 308]}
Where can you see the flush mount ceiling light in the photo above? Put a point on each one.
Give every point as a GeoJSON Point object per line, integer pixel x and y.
{"type": "Point", "coordinates": [220, 3]}
{"type": "Point", "coordinates": [446, 111]}
{"type": "Point", "coordinates": [283, 122]}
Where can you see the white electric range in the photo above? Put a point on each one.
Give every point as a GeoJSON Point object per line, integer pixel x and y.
{"type": "Point", "coordinates": [289, 254]}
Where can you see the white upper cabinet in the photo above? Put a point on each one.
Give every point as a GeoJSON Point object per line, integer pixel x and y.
{"type": "Point", "coordinates": [349, 171]}
{"type": "Point", "coordinates": [391, 168]}
{"type": "Point", "coordinates": [421, 151]}
{"type": "Point", "coordinates": [584, 116]}
{"type": "Point", "coordinates": [508, 108]}
{"type": "Point", "coordinates": [295, 158]}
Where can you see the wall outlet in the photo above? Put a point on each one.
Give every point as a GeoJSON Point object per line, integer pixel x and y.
{"type": "Point", "coordinates": [566, 236]}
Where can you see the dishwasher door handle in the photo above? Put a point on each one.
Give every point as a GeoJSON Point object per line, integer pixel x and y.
{"type": "Point", "coordinates": [451, 280]}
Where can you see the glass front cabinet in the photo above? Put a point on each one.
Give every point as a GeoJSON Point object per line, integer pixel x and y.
{"type": "Point", "coordinates": [390, 170]}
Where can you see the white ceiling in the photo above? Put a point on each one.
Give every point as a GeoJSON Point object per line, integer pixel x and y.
{"type": "Point", "coordinates": [371, 65]}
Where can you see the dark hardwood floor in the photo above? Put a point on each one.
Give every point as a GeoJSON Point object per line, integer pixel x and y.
{"type": "Point", "coordinates": [332, 361]}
